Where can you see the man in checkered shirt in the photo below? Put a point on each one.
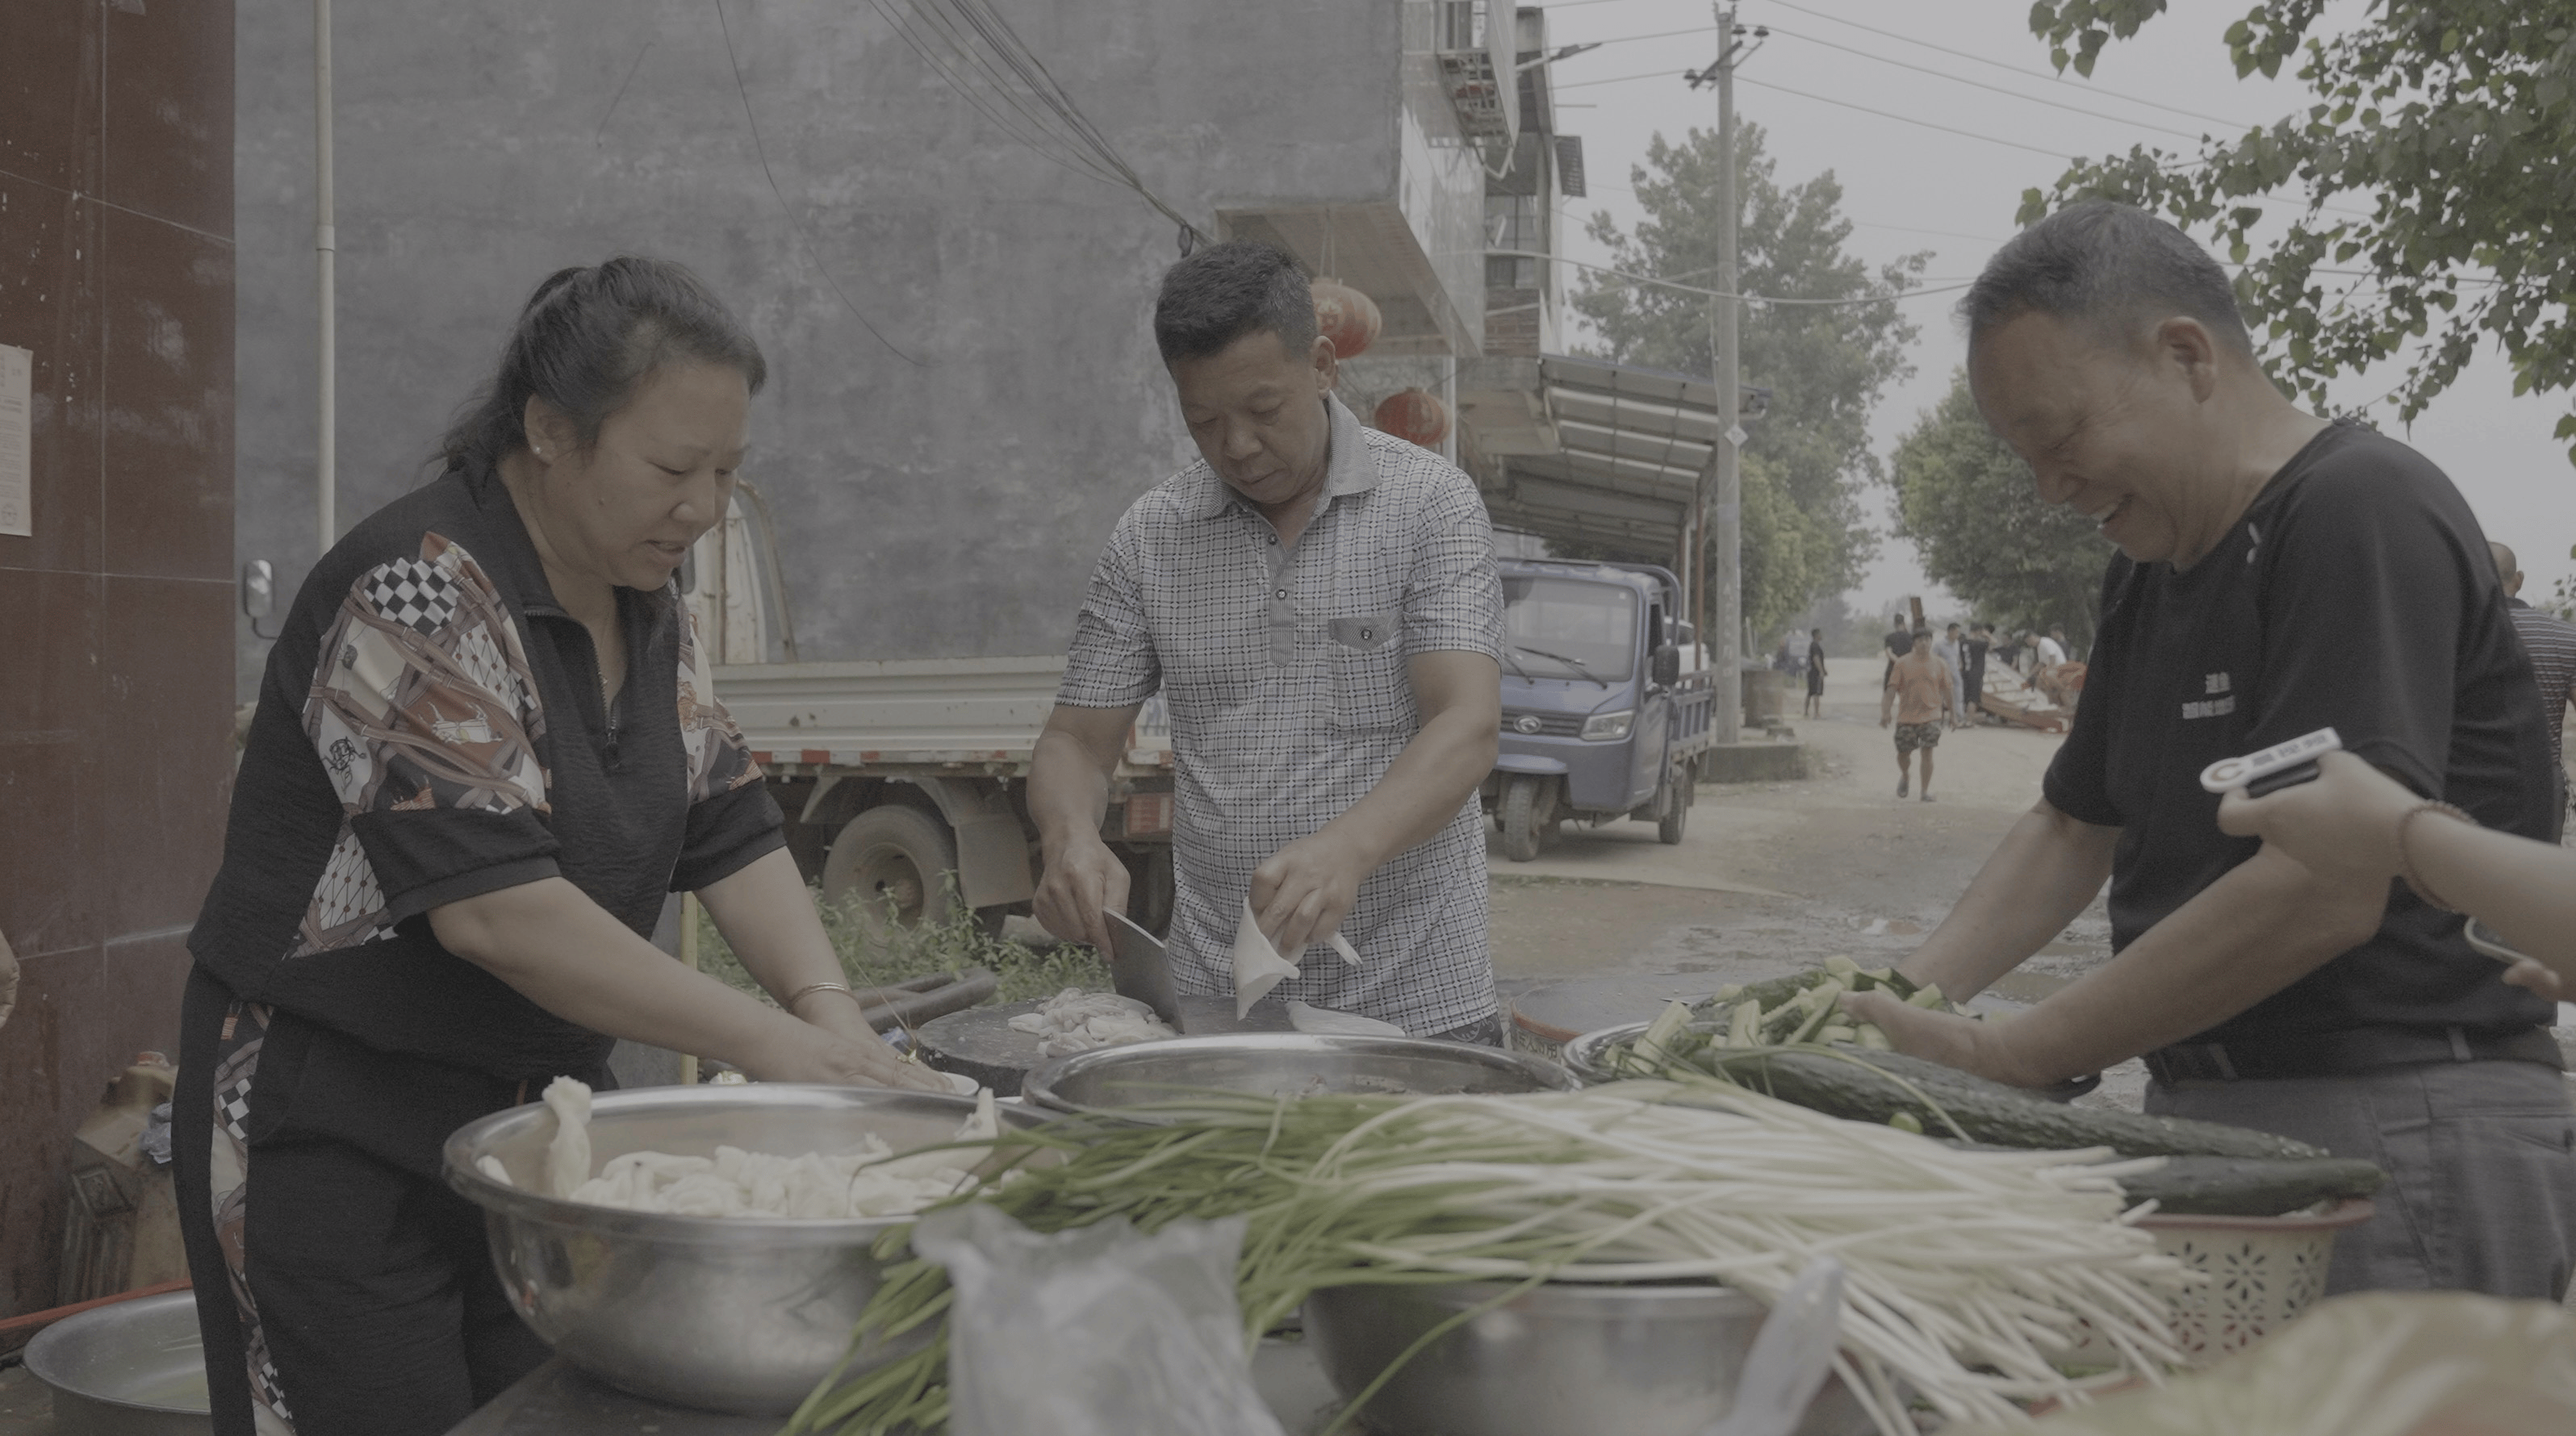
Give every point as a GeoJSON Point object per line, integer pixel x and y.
{"type": "Point", "coordinates": [1317, 604]}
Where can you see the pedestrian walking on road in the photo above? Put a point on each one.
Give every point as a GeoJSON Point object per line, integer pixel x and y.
{"type": "Point", "coordinates": [1972, 676]}
{"type": "Point", "coordinates": [1815, 673]}
{"type": "Point", "coordinates": [1946, 648]}
{"type": "Point", "coordinates": [1919, 691]}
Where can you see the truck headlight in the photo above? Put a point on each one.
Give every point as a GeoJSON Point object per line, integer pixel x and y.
{"type": "Point", "coordinates": [1608, 726]}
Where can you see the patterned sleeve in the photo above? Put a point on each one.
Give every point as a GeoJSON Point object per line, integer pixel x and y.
{"type": "Point", "coordinates": [1453, 598]}
{"type": "Point", "coordinates": [426, 717]}
{"type": "Point", "coordinates": [732, 818]}
{"type": "Point", "coordinates": [1112, 663]}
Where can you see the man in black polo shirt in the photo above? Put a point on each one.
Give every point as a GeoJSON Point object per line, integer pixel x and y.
{"type": "Point", "coordinates": [2277, 574]}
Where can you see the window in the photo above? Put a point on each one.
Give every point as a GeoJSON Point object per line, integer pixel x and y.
{"type": "Point", "coordinates": [1567, 628]}
{"type": "Point", "coordinates": [1511, 223]}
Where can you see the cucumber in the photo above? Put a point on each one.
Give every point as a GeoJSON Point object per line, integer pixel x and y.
{"type": "Point", "coordinates": [1871, 1086]}
{"type": "Point", "coordinates": [2250, 1186]}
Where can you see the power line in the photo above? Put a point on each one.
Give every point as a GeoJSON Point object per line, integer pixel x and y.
{"type": "Point", "coordinates": [1905, 119]}
{"type": "Point", "coordinates": [1992, 89]}
{"type": "Point", "coordinates": [1720, 293]}
{"type": "Point", "coordinates": [2056, 79]}
{"type": "Point", "coordinates": [795, 226]}
{"type": "Point", "coordinates": [1619, 80]}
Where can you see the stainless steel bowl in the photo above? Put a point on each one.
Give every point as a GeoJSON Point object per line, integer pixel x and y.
{"type": "Point", "coordinates": [136, 1368]}
{"type": "Point", "coordinates": [1583, 1055]}
{"type": "Point", "coordinates": [1283, 1064]}
{"type": "Point", "coordinates": [738, 1315]}
{"type": "Point", "coordinates": [1558, 1358]}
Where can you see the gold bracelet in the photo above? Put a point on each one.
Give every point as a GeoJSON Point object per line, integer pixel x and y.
{"type": "Point", "coordinates": [2406, 861]}
{"type": "Point", "coordinates": [811, 988]}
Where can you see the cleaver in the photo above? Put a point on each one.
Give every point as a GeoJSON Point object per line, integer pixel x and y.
{"type": "Point", "coordinates": [1139, 968]}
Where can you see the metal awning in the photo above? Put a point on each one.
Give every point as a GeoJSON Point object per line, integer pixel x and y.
{"type": "Point", "coordinates": [1624, 454]}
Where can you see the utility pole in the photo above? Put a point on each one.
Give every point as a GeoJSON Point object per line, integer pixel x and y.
{"type": "Point", "coordinates": [326, 341]}
{"type": "Point", "coordinates": [1722, 504]}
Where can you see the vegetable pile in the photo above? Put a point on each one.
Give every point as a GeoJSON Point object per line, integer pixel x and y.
{"type": "Point", "coordinates": [1805, 1007]}
{"type": "Point", "coordinates": [1967, 1271]}
{"type": "Point", "coordinates": [2214, 1169]}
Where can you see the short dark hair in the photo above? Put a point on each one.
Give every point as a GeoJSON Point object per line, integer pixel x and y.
{"type": "Point", "coordinates": [1225, 292]}
{"type": "Point", "coordinates": [1923, 632]}
{"type": "Point", "coordinates": [2104, 266]}
{"type": "Point", "coordinates": [586, 340]}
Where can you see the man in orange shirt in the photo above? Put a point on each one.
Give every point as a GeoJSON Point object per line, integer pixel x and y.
{"type": "Point", "coordinates": [1920, 687]}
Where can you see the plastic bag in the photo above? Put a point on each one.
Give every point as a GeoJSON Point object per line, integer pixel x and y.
{"type": "Point", "coordinates": [1096, 1331]}
{"type": "Point", "coordinates": [1790, 1356]}
{"type": "Point", "coordinates": [2373, 1364]}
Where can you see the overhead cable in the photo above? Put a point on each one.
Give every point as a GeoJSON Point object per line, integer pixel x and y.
{"type": "Point", "coordinates": [795, 225]}
{"type": "Point", "coordinates": [974, 49]}
{"type": "Point", "coordinates": [2056, 79]}
{"type": "Point", "coordinates": [1649, 279]}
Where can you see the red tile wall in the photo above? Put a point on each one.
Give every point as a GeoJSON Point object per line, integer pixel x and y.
{"type": "Point", "coordinates": [116, 631]}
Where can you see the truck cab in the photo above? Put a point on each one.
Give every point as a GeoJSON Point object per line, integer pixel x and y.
{"type": "Point", "coordinates": [1600, 720]}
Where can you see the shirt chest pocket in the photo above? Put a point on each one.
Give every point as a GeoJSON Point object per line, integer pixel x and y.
{"type": "Point", "coordinates": [1370, 690]}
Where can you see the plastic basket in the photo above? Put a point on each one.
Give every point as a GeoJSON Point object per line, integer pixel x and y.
{"type": "Point", "coordinates": [2262, 1273]}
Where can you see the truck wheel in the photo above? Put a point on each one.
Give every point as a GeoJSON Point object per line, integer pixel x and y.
{"type": "Point", "coordinates": [1677, 806]}
{"type": "Point", "coordinates": [892, 862]}
{"type": "Point", "coordinates": [1519, 817]}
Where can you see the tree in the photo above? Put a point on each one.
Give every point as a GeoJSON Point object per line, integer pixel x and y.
{"type": "Point", "coordinates": [1825, 365]}
{"type": "Point", "coordinates": [1974, 513]}
{"type": "Point", "coordinates": [2450, 122]}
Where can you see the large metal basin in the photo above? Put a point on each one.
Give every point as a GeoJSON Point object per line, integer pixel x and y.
{"type": "Point", "coordinates": [137, 1368]}
{"type": "Point", "coordinates": [1583, 1055]}
{"type": "Point", "coordinates": [1556, 1359]}
{"type": "Point", "coordinates": [1283, 1064]}
{"type": "Point", "coordinates": [735, 1315]}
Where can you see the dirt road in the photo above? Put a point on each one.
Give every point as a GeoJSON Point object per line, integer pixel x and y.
{"type": "Point", "coordinates": [1780, 875]}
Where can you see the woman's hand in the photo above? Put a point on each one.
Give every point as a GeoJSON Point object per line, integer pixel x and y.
{"type": "Point", "coordinates": [2341, 825]}
{"type": "Point", "coordinates": [817, 1054]}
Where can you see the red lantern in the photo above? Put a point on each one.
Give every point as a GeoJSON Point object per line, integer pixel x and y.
{"type": "Point", "coordinates": [1345, 316]}
{"type": "Point", "coordinates": [1415, 417]}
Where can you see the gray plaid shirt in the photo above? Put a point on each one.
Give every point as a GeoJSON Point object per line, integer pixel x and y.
{"type": "Point", "coordinates": [1285, 673]}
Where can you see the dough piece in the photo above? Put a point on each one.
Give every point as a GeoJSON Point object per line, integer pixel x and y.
{"type": "Point", "coordinates": [1077, 1021]}
{"type": "Point", "coordinates": [568, 1155]}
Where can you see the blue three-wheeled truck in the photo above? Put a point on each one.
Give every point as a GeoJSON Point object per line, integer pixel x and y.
{"type": "Point", "coordinates": [1600, 722]}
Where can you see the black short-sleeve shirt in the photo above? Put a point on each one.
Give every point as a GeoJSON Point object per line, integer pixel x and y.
{"type": "Point", "coordinates": [2355, 593]}
{"type": "Point", "coordinates": [431, 728]}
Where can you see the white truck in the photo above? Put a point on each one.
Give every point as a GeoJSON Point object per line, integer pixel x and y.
{"type": "Point", "coordinates": [896, 774]}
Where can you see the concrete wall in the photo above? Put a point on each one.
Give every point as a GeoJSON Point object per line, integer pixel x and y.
{"type": "Point", "coordinates": [945, 501]}
{"type": "Point", "coordinates": [116, 271]}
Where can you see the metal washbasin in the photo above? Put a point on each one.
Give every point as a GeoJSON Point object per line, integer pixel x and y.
{"type": "Point", "coordinates": [137, 1368]}
{"type": "Point", "coordinates": [740, 1315]}
{"type": "Point", "coordinates": [1284, 1064]}
{"type": "Point", "coordinates": [1561, 1357]}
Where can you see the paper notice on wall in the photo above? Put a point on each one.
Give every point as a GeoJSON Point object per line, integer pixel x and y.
{"type": "Point", "coordinates": [16, 430]}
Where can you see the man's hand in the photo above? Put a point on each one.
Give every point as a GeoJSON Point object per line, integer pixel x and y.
{"type": "Point", "coordinates": [2342, 824]}
{"type": "Point", "coordinates": [1301, 895]}
{"type": "Point", "coordinates": [1069, 774]}
{"type": "Point", "coordinates": [1982, 1048]}
{"type": "Point", "coordinates": [1083, 880]}
{"type": "Point", "coordinates": [2530, 974]}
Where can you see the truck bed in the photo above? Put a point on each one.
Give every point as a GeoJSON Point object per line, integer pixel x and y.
{"type": "Point", "coordinates": [926, 715]}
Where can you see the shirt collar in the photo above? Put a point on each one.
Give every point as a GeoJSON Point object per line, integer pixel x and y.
{"type": "Point", "coordinates": [1351, 470]}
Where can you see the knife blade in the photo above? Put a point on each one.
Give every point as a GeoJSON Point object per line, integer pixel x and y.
{"type": "Point", "coordinates": [1139, 968]}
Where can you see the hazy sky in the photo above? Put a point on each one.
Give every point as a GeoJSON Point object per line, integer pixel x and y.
{"type": "Point", "coordinates": [1907, 187]}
